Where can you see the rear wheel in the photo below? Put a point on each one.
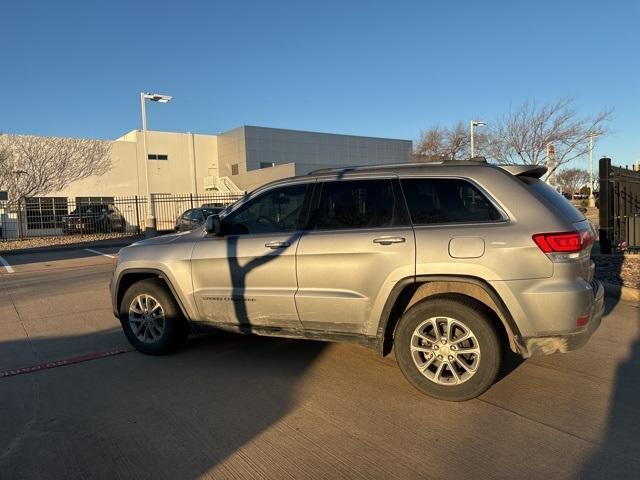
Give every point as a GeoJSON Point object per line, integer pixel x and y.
{"type": "Point", "coordinates": [151, 318]}
{"type": "Point", "coordinates": [448, 348]}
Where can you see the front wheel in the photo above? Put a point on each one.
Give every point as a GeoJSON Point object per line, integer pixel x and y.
{"type": "Point", "coordinates": [448, 348]}
{"type": "Point", "coordinates": [151, 318]}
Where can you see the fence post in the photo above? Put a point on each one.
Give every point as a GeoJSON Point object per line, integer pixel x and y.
{"type": "Point", "coordinates": [191, 199]}
{"type": "Point", "coordinates": [606, 205]}
{"type": "Point", "coordinates": [20, 226]}
{"type": "Point", "coordinates": [137, 217]}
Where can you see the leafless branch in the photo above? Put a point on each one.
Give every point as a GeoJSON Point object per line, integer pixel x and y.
{"type": "Point", "coordinates": [32, 166]}
{"type": "Point", "coordinates": [522, 135]}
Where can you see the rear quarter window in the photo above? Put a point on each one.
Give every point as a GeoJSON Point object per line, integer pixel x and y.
{"type": "Point", "coordinates": [440, 200]}
{"type": "Point", "coordinates": [553, 199]}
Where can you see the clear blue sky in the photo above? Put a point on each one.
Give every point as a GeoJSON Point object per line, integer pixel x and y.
{"type": "Point", "coordinates": [391, 69]}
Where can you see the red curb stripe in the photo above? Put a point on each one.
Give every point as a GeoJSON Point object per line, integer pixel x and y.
{"type": "Point", "coordinates": [62, 363]}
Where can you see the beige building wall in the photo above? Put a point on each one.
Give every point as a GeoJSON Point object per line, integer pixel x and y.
{"type": "Point", "coordinates": [232, 151]}
{"type": "Point", "coordinates": [122, 179]}
{"type": "Point", "coordinates": [190, 157]}
{"type": "Point", "coordinates": [256, 178]}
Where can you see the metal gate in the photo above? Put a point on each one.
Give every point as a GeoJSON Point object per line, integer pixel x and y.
{"type": "Point", "coordinates": [619, 207]}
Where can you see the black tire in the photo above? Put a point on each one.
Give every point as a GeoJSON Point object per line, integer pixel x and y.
{"type": "Point", "coordinates": [175, 327]}
{"type": "Point", "coordinates": [473, 316]}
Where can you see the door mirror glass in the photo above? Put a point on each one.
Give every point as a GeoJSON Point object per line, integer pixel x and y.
{"type": "Point", "coordinates": [213, 225]}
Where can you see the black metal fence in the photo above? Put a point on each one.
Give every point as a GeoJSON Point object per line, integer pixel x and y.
{"type": "Point", "coordinates": [51, 216]}
{"type": "Point", "coordinates": [619, 207]}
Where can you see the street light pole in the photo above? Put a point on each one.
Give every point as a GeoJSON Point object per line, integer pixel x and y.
{"type": "Point", "coordinates": [592, 198]}
{"type": "Point", "coordinates": [472, 125]}
{"type": "Point", "coordinates": [150, 227]}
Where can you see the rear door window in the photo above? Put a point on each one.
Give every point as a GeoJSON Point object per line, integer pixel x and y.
{"type": "Point", "coordinates": [349, 204]}
{"type": "Point", "coordinates": [452, 200]}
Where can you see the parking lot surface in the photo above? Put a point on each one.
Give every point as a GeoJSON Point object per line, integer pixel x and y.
{"type": "Point", "coordinates": [230, 406]}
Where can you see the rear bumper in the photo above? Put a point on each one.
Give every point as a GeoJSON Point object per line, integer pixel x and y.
{"type": "Point", "coordinates": [566, 341]}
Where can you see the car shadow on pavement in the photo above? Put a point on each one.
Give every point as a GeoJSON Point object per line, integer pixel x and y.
{"type": "Point", "coordinates": [618, 453]}
{"type": "Point", "coordinates": [137, 416]}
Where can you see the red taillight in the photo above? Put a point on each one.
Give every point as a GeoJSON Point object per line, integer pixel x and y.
{"type": "Point", "coordinates": [582, 320]}
{"type": "Point", "coordinates": [559, 242]}
{"type": "Point", "coordinates": [587, 238]}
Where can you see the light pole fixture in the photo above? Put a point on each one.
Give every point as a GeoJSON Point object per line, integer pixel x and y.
{"type": "Point", "coordinates": [472, 125]}
{"type": "Point", "coordinates": [150, 227]}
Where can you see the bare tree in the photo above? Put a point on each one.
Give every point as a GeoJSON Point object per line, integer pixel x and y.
{"type": "Point", "coordinates": [430, 147]}
{"type": "Point", "coordinates": [32, 166]}
{"type": "Point", "coordinates": [438, 143]}
{"type": "Point", "coordinates": [571, 180]}
{"type": "Point", "coordinates": [523, 134]}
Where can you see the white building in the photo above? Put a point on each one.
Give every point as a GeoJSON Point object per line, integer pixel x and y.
{"type": "Point", "coordinates": [239, 160]}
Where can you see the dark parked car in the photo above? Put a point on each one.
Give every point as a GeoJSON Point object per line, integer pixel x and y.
{"type": "Point", "coordinates": [194, 217]}
{"type": "Point", "coordinates": [94, 218]}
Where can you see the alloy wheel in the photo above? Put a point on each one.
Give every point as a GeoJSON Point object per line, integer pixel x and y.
{"type": "Point", "coordinates": [146, 318]}
{"type": "Point", "coordinates": [445, 350]}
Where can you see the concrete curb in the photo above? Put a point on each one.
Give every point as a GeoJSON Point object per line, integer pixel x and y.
{"type": "Point", "coordinates": [623, 293]}
{"type": "Point", "coordinates": [116, 242]}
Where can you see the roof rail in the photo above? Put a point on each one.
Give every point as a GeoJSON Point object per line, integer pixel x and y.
{"type": "Point", "coordinates": [473, 160]}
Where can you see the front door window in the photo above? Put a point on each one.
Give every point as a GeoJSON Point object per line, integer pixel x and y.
{"type": "Point", "coordinates": [276, 211]}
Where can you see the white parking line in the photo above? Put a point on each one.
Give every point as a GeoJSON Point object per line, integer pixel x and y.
{"type": "Point", "coordinates": [99, 253]}
{"type": "Point", "coordinates": [6, 265]}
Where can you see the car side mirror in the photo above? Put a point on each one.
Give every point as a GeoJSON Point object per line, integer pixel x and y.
{"type": "Point", "coordinates": [213, 225]}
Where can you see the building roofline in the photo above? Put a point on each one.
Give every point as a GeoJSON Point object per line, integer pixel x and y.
{"type": "Point", "coordinates": [323, 133]}
{"type": "Point", "coordinates": [166, 131]}
{"type": "Point", "coordinates": [267, 128]}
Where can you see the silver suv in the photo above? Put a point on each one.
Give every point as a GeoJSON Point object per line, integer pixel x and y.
{"type": "Point", "coordinates": [447, 264]}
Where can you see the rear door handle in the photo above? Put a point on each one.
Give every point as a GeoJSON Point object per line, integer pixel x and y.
{"type": "Point", "coordinates": [277, 244]}
{"type": "Point", "coordinates": [389, 240]}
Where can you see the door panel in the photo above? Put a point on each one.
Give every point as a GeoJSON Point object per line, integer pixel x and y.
{"type": "Point", "coordinates": [248, 276]}
{"type": "Point", "coordinates": [358, 246]}
{"type": "Point", "coordinates": [343, 275]}
{"type": "Point", "coordinates": [238, 280]}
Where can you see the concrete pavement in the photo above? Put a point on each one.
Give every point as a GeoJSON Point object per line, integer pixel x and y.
{"type": "Point", "coordinates": [248, 407]}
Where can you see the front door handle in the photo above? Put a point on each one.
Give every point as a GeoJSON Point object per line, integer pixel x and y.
{"type": "Point", "coordinates": [277, 244]}
{"type": "Point", "coordinates": [389, 240]}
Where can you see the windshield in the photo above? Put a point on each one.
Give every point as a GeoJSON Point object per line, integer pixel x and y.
{"type": "Point", "coordinates": [90, 209]}
{"type": "Point", "coordinates": [211, 211]}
